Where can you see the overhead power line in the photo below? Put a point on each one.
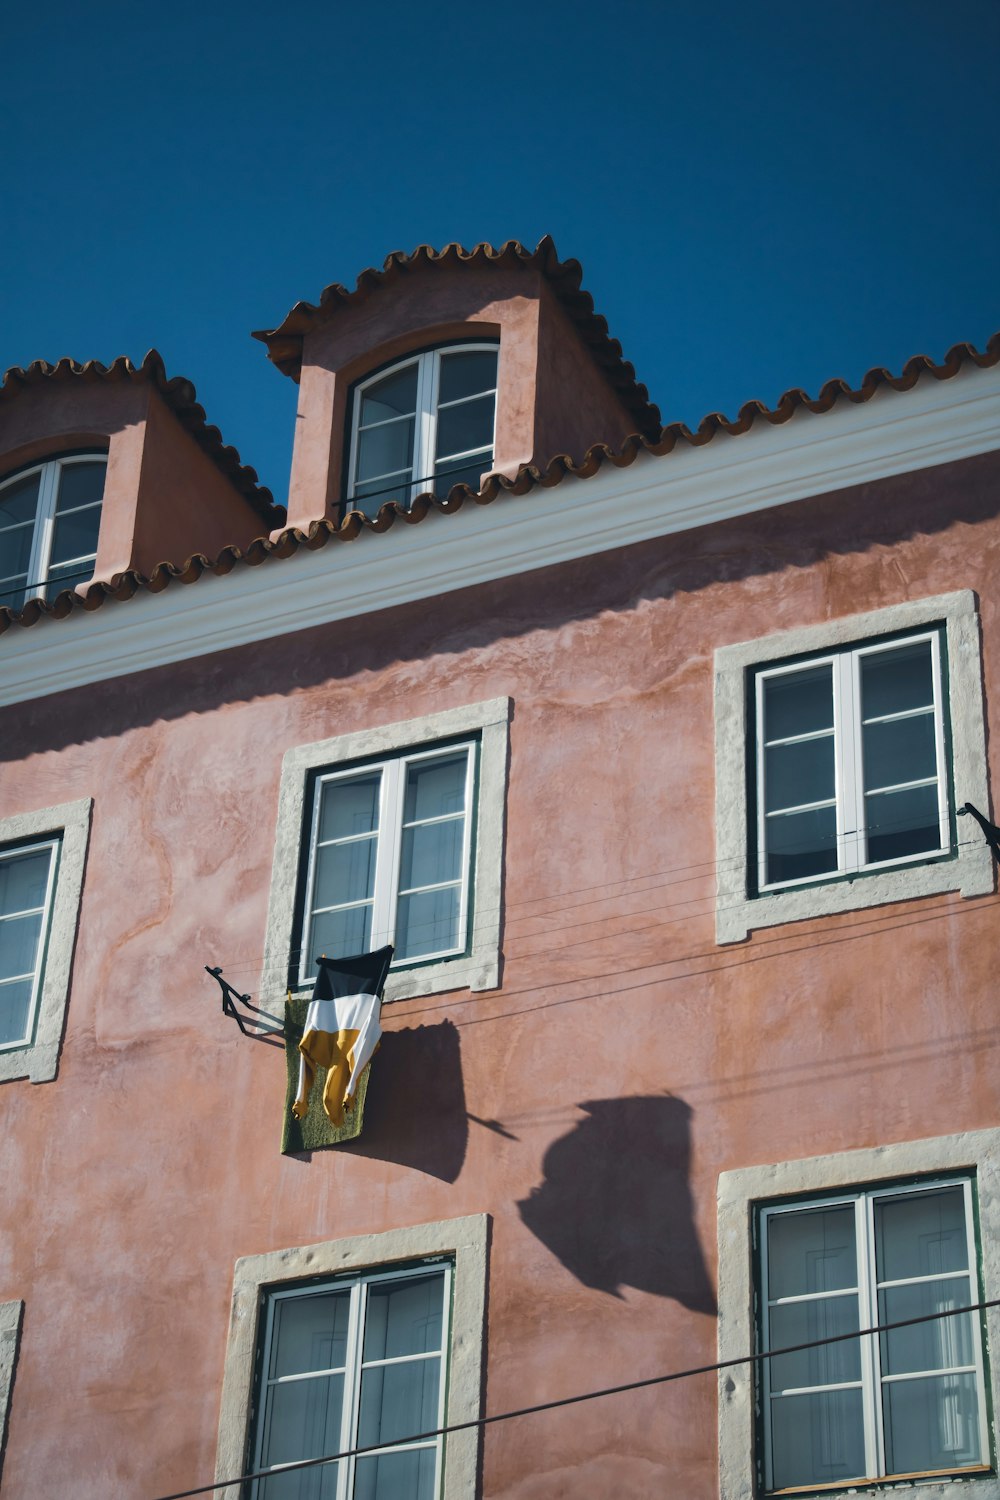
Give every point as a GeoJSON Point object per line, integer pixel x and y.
{"type": "Point", "coordinates": [611, 1390]}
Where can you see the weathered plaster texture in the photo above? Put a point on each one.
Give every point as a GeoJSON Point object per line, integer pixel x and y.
{"type": "Point", "coordinates": [11, 1315]}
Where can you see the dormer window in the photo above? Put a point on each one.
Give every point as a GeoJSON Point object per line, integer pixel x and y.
{"type": "Point", "coordinates": [49, 519]}
{"type": "Point", "coordinates": [425, 424]}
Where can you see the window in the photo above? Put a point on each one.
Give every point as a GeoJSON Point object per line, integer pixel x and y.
{"type": "Point", "coordinates": [842, 754]}
{"type": "Point", "coordinates": [49, 519]}
{"type": "Point", "coordinates": [42, 857]}
{"type": "Point", "coordinates": [911, 1401]}
{"type": "Point", "coordinates": [393, 835]}
{"type": "Point", "coordinates": [814, 1248]}
{"type": "Point", "coordinates": [425, 424]}
{"type": "Point", "coordinates": [354, 1343]}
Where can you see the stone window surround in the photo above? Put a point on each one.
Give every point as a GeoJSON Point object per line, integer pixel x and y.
{"type": "Point", "coordinates": [11, 1317]}
{"type": "Point", "coordinates": [479, 969]}
{"type": "Point", "coordinates": [971, 872]}
{"type": "Point", "coordinates": [39, 1060]}
{"type": "Point", "coordinates": [742, 1190]}
{"type": "Point", "coordinates": [465, 1240]}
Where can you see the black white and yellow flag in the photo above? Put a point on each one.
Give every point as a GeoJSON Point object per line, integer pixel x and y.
{"type": "Point", "coordinates": [342, 1029]}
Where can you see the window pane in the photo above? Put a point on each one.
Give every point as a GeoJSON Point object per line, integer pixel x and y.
{"type": "Point", "coordinates": [395, 396]}
{"type": "Point", "coordinates": [339, 933]}
{"type": "Point", "coordinates": [464, 427]}
{"type": "Point", "coordinates": [396, 1476]}
{"type": "Point", "coordinates": [931, 1424]}
{"type": "Point", "coordinates": [80, 484]}
{"type": "Point", "coordinates": [798, 703]}
{"type": "Point", "coordinates": [19, 501]}
{"type": "Point", "coordinates": [344, 872]}
{"type": "Point", "coordinates": [385, 450]}
{"type": "Point", "coordinates": [370, 497]}
{"type": "Point", "coordinates": [465, 374]}
{"type": "Point", "coordinates": [305, 1484]}
{"type": "Point", "coordinates": [921, 1235]}
{"type": "Point", "coordinates": [399, 1401]}
{"type": "Point", "coordinates": [901, 823]}
{"type": "Point", "coordinates": [12, 591]}
{"type": "Point", "coordinates": [75, 535]}
{"type": "Point", "coordinates": [15, 1002]}
{"type": "Point", "coordinates": [310, 1333]}
{"type": "Point", "coordinates": [812, 1251]}
{"type": "Point", "coordinates": [435, 788]}
{"type": "Point", "coordinates": [926, 1346]}
{"type": "Point", "coordinates": [427, 923]}
{"type": "Point", "coordinates": [901, 750]}
{"type": "Point", "coordinates": [23, 881]}
{"type": "Point", "coordinates": [897, 680]}
{"type": "Point", "coordinates": [469, 472]}
{"type": "Point", "coordinates": [432, 853]}
{"type": "Point", "coordinates": [817, 1439]}
{"type": "Point", "coordinates": [67, 577]}
{"type": "Point", "coordinates": [801, 1323]}
{"type": "Point", "coordinates": [801, 844]}
{"type": "Point", "coordinates": [19, 945]}
{"type": "Point", "coordinates": [349, 807]}
{"type": "Point", "coordinates": [404, 1317]}
{"type": "Point", "coordinates": [799, 773]}
{"type": "Point", "coordinates": [303, 1420]}
{"type": "Point", "coordinates": [15, 549]}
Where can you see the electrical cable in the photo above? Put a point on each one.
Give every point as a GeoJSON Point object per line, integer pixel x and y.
{"type": "Point", "coordinates": [611, 1390]}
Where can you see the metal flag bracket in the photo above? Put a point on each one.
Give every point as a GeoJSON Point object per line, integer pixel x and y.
{"type": "Point", "coordinates": [267, 1029]}
{"type": "Point", "coordinates": [991, 832]}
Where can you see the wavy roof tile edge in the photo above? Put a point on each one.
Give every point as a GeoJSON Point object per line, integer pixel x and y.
{"type": "Point", "coordinates": [126, 585]}
{"type": "Point", "coordinates": [179, 395]}
{"type": "Point", "coordinates": [284, 343]}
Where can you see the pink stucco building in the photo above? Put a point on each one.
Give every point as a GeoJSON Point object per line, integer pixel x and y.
{"type": "Point", "coordinates": [648, 750]}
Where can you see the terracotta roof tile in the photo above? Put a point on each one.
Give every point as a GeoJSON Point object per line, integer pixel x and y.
{"type": "Point", "coordinates": [125, 585]}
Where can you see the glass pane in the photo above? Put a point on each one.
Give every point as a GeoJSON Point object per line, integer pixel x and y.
{"type": "Point", "coordinates": [901, 823]}
{"type": "Point", "coordinates": [339, 933]}
{"type": "Point", "coordinates": [19, 945]}
{"type": "Point", "coordinates": [15, 1001]}
{"type": "Point", "coordinates": [465, 374]}
{"type": "Point", "coordinates": [435, 788]}
{"type": "Point", "coordinates": [896, 680]}
{"type": "Point", "coordinates": [931, 1424]}
{"type": "Point", "coordinates": [921, 1235]}
{"type": "Point", "coordinates": [465, 427]}
{"type": "Point", "coordinates": [399, 1401]}
{"type": "Point", "coordinates": [302, 1419]}
{"type": "Point", "coordinates": [310, 1333]}
{"type": "Point", "coordinates": [803, 772]}
{"type": "Point", "coordinates": [344, 872]}
{"type": "Point", "coordinates": [812, 1251]}
{"type": "Point", "coordinates": [404, 1317]}
{"type": "Point", "coordinates": [23, 879]}
{"type": "Point", "coordinates": [926, 1346]}
{"type": "Point", "coordinates": [67, 577]}
{"type": "Point", "coordinates": [80, 484]}
{"type": "Point", "coordinates": [817, 1439]}
{"type": "Point", "coordinates": [396, 1476]}
{"type": "Point", "coordinates": [801, 1323]}
{"type": "Point", "coordinates": [12, 591]}
{"type": "Point", "coordinates": [19, 500]}
{"type": "Point", "coordinates": [427, 923]}
{"type": "Point", "coordinates": [349, 807]}
{"type": "Point", "coordinates": [901, 750]}
{"type": "Point", "coordinates": [432, 853]}
{"type": "Point", "coordinates": [798, 703]}
{"type": "Point", "coordinates": [801, 844]}
{"type": "Point", "coordinates": [370, 497]}
{"type": "Point", "coordinates": [15, 550]}
{"type": "Point", "coordinates": [395, 396]}
{"type": "Point", "coordinates": [75, 535]}
{"type": "Point", "coordinates": [469, 472]}
{"type": "Point", "coordinates": [385, 450]}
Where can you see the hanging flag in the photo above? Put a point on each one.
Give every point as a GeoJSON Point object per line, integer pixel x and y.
{"type": "Point", "coordinates": [341, 1029]}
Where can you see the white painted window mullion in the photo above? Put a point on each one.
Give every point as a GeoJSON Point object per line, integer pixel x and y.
{"type": "Point", "coordinates": [386, 857]}
{"type": "Point", "coordinates": [351, 1410]}
{"type": "Point", "coordinates": [850, 812]}
{"type": "Point", "coordinates": [761, 757]}
{"type": "Point", "coordinates": [41, 547]}
{"type": "Point", "coordinates": [423, 440]}
{"type": "Point", "coordinates": [944, 811]}
{"type": "Point", "coordinates": [871, 1359]}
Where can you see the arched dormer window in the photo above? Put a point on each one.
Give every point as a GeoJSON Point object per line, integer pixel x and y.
{"type": "Point", "coordinates": [426, 423]}
{"type": "Point", "coordinates": [49, 519]}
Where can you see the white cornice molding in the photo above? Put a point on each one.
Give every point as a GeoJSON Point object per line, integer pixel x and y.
{"type": "Point", "coordinates": [893, 433]}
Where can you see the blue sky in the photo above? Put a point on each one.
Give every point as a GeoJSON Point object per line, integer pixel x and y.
{"type": "Point", "coordinates": [760, 195]}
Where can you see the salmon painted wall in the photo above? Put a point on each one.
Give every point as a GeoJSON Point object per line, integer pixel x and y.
{"type": "Point", "coordinates": [624, 1063]}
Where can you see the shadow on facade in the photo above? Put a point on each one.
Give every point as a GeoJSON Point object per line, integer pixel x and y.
{"type": "Point", "coordinates": [615, 1205]}
{"type": "Point", "coordinates": [415, 1109]}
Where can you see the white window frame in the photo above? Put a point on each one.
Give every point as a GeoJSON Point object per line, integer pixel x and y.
{"type": "Point", "coordinates": [746, 1191]}
{"type": "Point", "coordinates": [871, 1378]}
{"type": "Point", "coordinates": [463, 1242]}
{"type": "Point", "coordinates": [68, 825]}
{"type": "Point", "coordinates": [428, 364]}
{"type": "Point", "coordinates": [14, 852]}
{"type": "Point", "coordinates": [739, 910]}
{"type": "Point", "coordinates": [389, 843]}
{"type": "Point", "coordinates": [45, 519]}
{"type": "Point", "coordinates": [477, 965]}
